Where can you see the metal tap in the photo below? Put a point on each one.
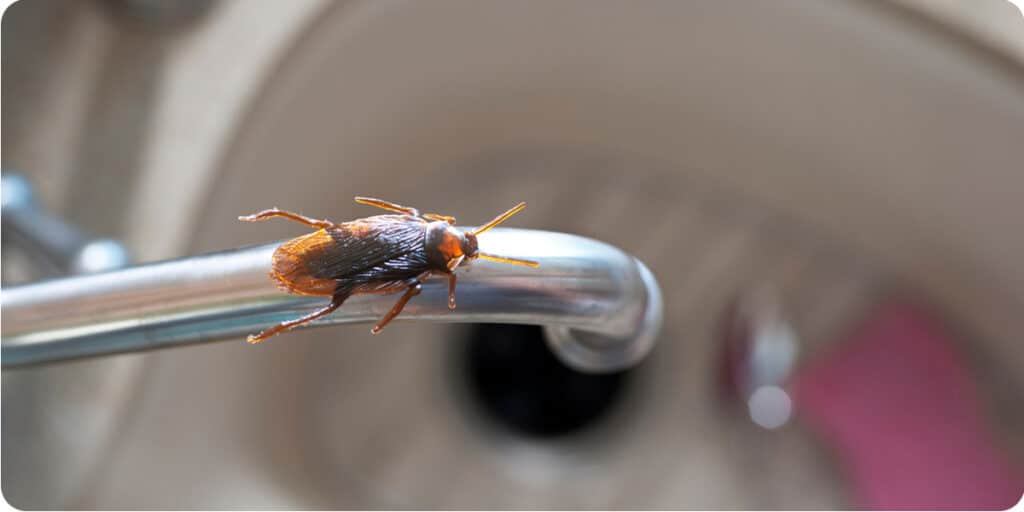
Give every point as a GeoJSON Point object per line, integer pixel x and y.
{"type": "Point", "coordinates": [601, 308]}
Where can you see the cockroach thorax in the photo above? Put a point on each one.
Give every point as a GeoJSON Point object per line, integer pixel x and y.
{"type": "Point", "coordinates": [445, 244]}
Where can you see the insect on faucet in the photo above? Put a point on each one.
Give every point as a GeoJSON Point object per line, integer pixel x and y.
{"type": "Point", "coordinates": [381, 254]}
{"type": "Point", "coordinates": [600, 307]}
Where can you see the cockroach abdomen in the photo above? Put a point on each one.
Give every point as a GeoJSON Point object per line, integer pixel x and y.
{"type": "Point", "coordinates": [290, 269]}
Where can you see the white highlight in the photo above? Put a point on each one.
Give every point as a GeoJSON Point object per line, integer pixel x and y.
{"type": "Point", "coordinates": [770, 407]}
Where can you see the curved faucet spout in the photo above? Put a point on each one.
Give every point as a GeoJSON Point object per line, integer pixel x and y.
{"type": "Point", "coordinates": [601, 307]}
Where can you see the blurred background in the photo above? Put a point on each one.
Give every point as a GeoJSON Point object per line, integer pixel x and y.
{"type": "Point", "coordinates": [828, 193]}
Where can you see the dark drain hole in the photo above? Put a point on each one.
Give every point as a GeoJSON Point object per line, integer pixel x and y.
{"type": "Point", "coordinates": [517, 381]}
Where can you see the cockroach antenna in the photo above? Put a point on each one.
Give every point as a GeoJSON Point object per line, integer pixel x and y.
{"type": "Point", "coordinates": [498, 220]}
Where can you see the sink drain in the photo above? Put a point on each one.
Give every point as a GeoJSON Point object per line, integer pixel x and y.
{"type": "Point", "coordinates": [515, 379]}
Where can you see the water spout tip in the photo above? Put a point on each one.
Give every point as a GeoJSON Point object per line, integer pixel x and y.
{"type": "Point", "coordinates": [595, 353]}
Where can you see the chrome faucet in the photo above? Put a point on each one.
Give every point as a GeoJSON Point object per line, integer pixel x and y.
{"type": "Point", "coordinates": [601, 308]}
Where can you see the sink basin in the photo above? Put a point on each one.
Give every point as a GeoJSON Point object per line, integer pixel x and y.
{"type": "Point", "coordinates": [841, 153]}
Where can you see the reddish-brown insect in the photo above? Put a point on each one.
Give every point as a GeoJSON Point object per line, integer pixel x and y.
{"type": "Point", "coordinates": [379, 254]}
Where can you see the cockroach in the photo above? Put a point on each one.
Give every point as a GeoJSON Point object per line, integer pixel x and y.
{"type": "Point", "coordinates": [381, 254]}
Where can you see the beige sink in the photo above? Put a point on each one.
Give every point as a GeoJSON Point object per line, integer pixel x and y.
{"type": "Point", "coordinates": [840, 152]}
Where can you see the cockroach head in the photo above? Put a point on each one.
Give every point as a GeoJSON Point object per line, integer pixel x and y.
{"type": "Point", "coordinates": [469, 245]}
{"type": "Point", "coordinates": [447, 247]}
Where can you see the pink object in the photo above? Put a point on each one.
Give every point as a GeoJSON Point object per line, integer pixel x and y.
{"type": "Point", "coordinates": [900, 411]}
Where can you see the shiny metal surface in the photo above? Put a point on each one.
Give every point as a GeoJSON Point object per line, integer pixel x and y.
{"type": "Point", "coordinates": [762, 347]}
{"type": "Point", "coordinates": [91, 396]}
{"type": "Point", "coordinates": [55, 246]}
{"type": "Point", "coordinates": [602, 307]}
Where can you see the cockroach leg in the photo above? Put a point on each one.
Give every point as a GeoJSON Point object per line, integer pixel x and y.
{"type": "Point", "coordinates": [412, 291]}
{"type": "Point", "coordinates": [437, 216]}
{"type": "Point", "coordinates": [451, 292]}
{"type": "Point", "coordinates": [380, 203]}
{"type": "Point", "coordinates": [454, 263]}
{"type": "Point", "coordinates": [336, 302]}
{"type": "Point", "coordinates": [274, 212]}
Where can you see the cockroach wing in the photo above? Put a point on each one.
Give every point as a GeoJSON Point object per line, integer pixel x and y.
{"type": "Point", "coordinates": [353, 255]}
